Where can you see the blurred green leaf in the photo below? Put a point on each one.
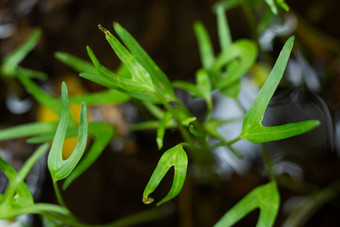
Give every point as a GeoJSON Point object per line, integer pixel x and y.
{"type": "Point", "coordinates": [58, 167]}
{"type": "Point", "coordinates": [175, 157]}
{"type": "Point", "coordinates": [11, 61]}
{"type": "Point", "coordinates": [227, 4]}
{"type": "Point", "coordinates": [161, 129]}
{"type": "Point", "coordinates": [158, 77]}
{"type": "Point", "coordinates": [189, 87]}
{"type": "Point", "coordinates": [252, 129]}
{"type": "Point", "coordinates": [17, 194]}
{"type": "Point", "coordinates": [204, 86]}
{"type": "Point", "coordinates": [265, 197]}
{"type": "Point", "coordinates": [223, 28]}
{"type": "Point", "coordinates": [75, 63]}
{"type": "Point", "coordinates": [272, 5]}
{"type": "Point", "coordinates": [41, 96]}
{"type": "Point", "coordinates": [245, 52]}
{"type": "Point", "coordinates": [205, 46]}
{"type": "Point", "coordinates": [31, 129]}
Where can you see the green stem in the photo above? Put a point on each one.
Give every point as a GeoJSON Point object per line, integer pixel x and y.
{"type": "Point", "coordinates": [58, 194]}
{"type": "Point", "coordinates": [268, 162]}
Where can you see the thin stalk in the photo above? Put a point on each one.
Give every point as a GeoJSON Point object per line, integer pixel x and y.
{"type": "Point", "coordinates": [268, 162]}
{"type": "Point", "coordinates": [58, 194]}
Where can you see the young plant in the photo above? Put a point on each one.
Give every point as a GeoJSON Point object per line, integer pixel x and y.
{"type": "Point", "coordinates": [139, 77]}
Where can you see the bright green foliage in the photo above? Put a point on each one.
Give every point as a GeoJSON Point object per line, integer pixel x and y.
{"type": "Point", "coordinates": [175, 157]}
{"type": "Point", "coordinates": [159, 79]}
{"type": "Point", "coordinates": [252, 129]}
{"type": "Point", "coordinates": [265, 197]}
{"type": "Point", "coordinates": [58, 167]}
{"type": "Point", "coordinates": [272, 5]}
{"type": "Point", "coordinates": [10, 62]}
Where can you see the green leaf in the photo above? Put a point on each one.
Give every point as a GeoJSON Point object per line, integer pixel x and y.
{"type": "Point", "coordinates": [158, 77]}
{"type": "Point", "coordinates": [33, 74]}
{"type": "Point", "coordinates": [245, 52]}
{"type": "Point", "coordinates": [272, 5]}
{"type": "Point", "coordinates": [58, 167]}
{"type": "Point", "coordinates": [232, 91]}
{"type": "Point", "coordinates": [10, 62]}
{"type": "Point", "coordinates": [227, 4]}
{"type": "Point", "coordinates": [101, 98]}
{"type": "Point", "coordinates": [175, 157]}
{"type": "Point", "coordinates": [107, 82]}
{"type": "Point", "coordinates": [139, 74]}
{"type": "Point", "coordinates": [75, 63]}
{"type": "Point", "coordinates": [265, 197]}
{"type": "Point", "coordinates": [205, 46]}
{"type": "Point", "coordinates": [30, 129]}
{"type": "Point", "coordinates": [223, 28]}
{"type": "Point", "coordinates": [204, 86]}
{"type": "Point", "coordinates": [103, 134]}
{"type": "Point", "coordinates": [252, 128]}
{"type": "Point", "coordinates": [41, 96]}
{"type": "Point", "coordinates": [283, 4]}
{"type": "Point", "coordinates": [161, 129]}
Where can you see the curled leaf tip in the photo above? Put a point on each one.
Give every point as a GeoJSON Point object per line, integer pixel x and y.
{"type": "Point", "coordinates": [104, 30]}
{"type": "Point", "coordinates": [147, 199]}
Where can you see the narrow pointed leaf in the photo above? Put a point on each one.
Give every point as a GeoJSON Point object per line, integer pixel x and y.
{"type": "Point", "coordinates": [158, 77]}
{"type": "Point", "coordinates": [265, 197]}
{"type": "Point", "coordinates": [75, 63]}
{"type": "Point", "coordinates": [106, 82]}
{"type": "Point", "coordinates": [205, 46]}
{"type": "Point", "coordinates": [177, 158]}
{"type": "Point", "coordinates": [11, 61]}
{"type": "Point", "coordinates": [252, 128]}
{"type": "Point", "coordinates": [223, 29]}
{"type": "Point", "coordinates": [30, 129]}
{"type": "Point", "coordinates": [139, 74]}
{"type": "Point", "coordinates": [122, 83]}
{"type": "Point", "coordinates": [58, 167]}
{"type": "Point", "coordinates": [41, 96]}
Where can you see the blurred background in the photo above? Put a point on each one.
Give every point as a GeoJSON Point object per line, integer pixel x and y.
{"type": "Point", "coordinates": [113, 186]}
